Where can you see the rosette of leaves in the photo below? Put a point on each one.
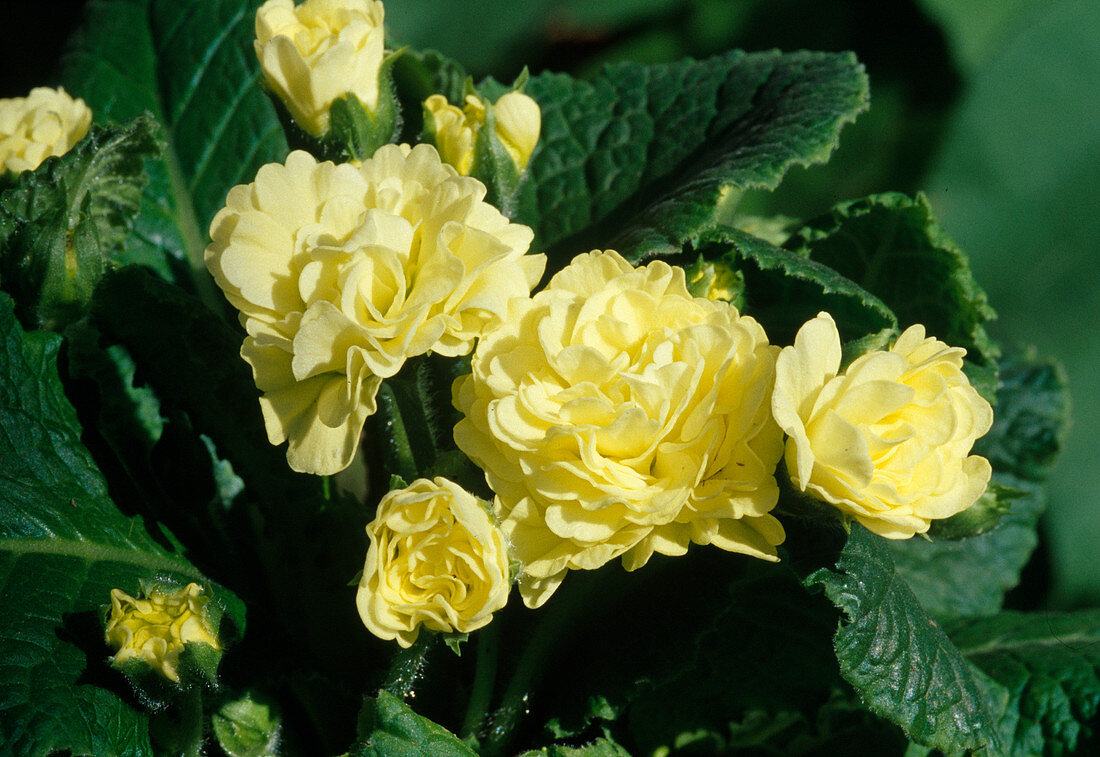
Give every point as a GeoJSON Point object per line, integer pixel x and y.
{"type": "Point", "coordinates": [141, 451]}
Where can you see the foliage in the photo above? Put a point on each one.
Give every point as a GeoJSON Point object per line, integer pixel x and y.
{"type": "Point", "coordinates": [133, 447]}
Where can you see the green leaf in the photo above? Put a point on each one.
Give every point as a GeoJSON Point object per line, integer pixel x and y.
{"type": "Point", "coordinates": [891, 246]}
{"type": "Point", "coordinates": [63, 547]}
{"type": "Point", "coordinates": [191, 65]}
{"type": "Point", "coordinates": [183, 351]}
{"type": "Point", "coordinates": [1031, 418]}
{"type": "Point", "coordinates": [389, 728]}
{"type": "Point", "coordinates": [1050, 665]}
{"type": "Point", "coordinates": [969, 577]}
{"type": "Point", "coordinates": [63, 222]}
{"type": "Point", "coordinates": [784, 289]}
{"type": "Point", "coordinates": [418, 74]}
{"type": "Point", "coordinates": [247, 728]}
{"type": "Point", "coordinates": [901, 662]}
{"type": "Point", "coordinates": [664, 144]}
{"type": "Point", "coordinates": [601, 747]}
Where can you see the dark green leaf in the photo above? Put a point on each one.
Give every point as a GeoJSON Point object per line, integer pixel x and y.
{"type": "Point", "coordinates": [419, 74]}
{"type": "Point", "coordinates": [969, 577]}
{"type": "Point", "coordinates": [601, 747]}
{"type": "Point", "coordinates": [981, 517]}
{"type": "Point", "coordinates": [1031, 417]}
{"type": "Point", "coordinates": [665, 144]}
{"type": "Point", "coordinates": [898, 659]}
{"type": "Point", "coordinates": [192, 66]}
{"type": "Point", "coordinates": [63, 547]}
{"type": "Point", "coordinates": [1050, 665]}
{"type": "Point", "coordinates": [63, 222]}
{"type": "Point", "coordinates": [784, 289]}
{"type": "Point", "coordinates": [389, 728]}
{"type": "Point", "coordinates": [892, 246]}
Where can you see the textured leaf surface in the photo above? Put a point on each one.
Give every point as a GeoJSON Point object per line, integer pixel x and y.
{"type": "Point", "coordinates": [969, 577]}
{"type": "Point", "coordinates": [63, 547]}
{"type": "Point", "coordinates": [668, 142]}
{"type": "Point", "coordinates": [898, 659]}
{"type": "Point", "coordinates": [1031, 418]}
{"type": "Point", "coordinates": [191, 65]}
{"type": "Point", "coordinates": [390, 728]}
{"type": "Point", "coordinates": [784, 289]}
{"type": "Point", "coordinates": [62, 222]}
{"type": "Point", "coordinates": [602, 747]}
{"type": "Point", "coordinates": [892, 246]}
{"type": "Point", "coordinates": [1050, 665]}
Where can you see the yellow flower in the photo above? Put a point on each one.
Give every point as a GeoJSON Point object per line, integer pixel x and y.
{"type": "Point", "coordinates": [46, 122]}
{"type": "Point", "coordinates": [517, 118]}
{"type": "Point", "coordinates": [343, 272]}
{"type": "Point", "coordinates": [319, 51]}
{"type": "Point", "coordinates": [888, 440]}
{"type": "Point", "coordinates": [615, 415]}
{"type": "Point", "coordinates": [155, 629]}
{"type": "Point", "coordinates": [436, 559]}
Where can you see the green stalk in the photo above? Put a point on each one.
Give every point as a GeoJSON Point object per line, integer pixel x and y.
{"type": "Point", "coordinates": [557, 616]}
{"type": "Point", "coordinates": [484, 677]}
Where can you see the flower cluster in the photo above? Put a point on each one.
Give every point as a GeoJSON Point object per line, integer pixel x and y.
{"type": "Point", "coordinates": [341, 273]}
{"type": "Point", "coordinates": [613, 413]}
{"type": "Point", "coordinates": [45, 123]}
{"type": "Point", "coordinates": [156, 629]}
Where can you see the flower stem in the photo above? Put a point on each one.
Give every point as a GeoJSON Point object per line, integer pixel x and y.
{"type": "Point", "coordinates": [556, 618]}
{"type": "Point", "coordinates": [408, 666]}
{"type": "Point", "coordinates": [191, 724]}
{"type": "Point", "coordinates": [484, 677]}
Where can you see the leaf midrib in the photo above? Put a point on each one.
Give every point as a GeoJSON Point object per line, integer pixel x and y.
{"type": "Point", "coordinates": [92, 552]}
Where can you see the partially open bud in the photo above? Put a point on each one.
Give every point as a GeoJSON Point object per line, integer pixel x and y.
{"type": "Point", "coordinates": [156, 630]}
{"type": "Point", "coordinates": [491, 142]}
{"type": "Point", "coordinates": [324, 54]}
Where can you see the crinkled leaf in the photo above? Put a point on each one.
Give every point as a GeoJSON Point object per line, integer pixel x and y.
{"type": "Point", "coordinates": [1031, 418]}
{"type": "Point", "coordinates": [418, 74]}
{"type": "Point", "coordinates": [282, 535]}
{"type": "Point", "coordinates": [63, 222]}
{"type": "Point", "coordinates": [190, 63]}
{"type": "Point", "coordinates": [891, 246]}
{"type": "Point", "coordinates": [898, 659]}
{"type": "Point", "coordinates": [390, 728]}
{"type": "Point", "coordinates": [784, 289]}
{"type": "Point", "coordinates": [664, 144]}
{"type": "Point", "coordinates": [63, 547]}
{"type": "Point", "coordinates": [601, 747]}
{"type": "Point", "coordinates": [1050, 665]}
{"type": "Point", "coordinates": [969, 577]}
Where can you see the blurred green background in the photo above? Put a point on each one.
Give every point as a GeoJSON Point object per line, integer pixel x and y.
{"type": "Point", "coordinates": [991, 107]}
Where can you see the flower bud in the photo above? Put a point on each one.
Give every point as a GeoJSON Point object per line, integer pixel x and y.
{"type": "Point", "coordinates": [45, 123]}
{"type": "Point", "coordinates": [516, 124]}
{"type": "Point", "coordinates": [156, 629]}
{"type": "Point", "coordinates": [322, 51]}
{"type": "Point", "coordinates": [887, 441]}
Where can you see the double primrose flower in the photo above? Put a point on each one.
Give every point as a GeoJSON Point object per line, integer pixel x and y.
{"type": "Point", "coordinates": [886, 441]}
{"type": "Point", "coordinates": [436, 560]}
{"type": "Point", "coordinates": [617, 416]}
{"type": "Point", "coordinates": [341, 273]}
{"type": "Point", "coordinates": [47, 122]}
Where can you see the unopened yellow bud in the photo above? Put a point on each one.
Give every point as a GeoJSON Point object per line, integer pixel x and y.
{"type": "Point", "coordinates": [155, 629]}
{"type": "Point", "coordinates": [518, 122]}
